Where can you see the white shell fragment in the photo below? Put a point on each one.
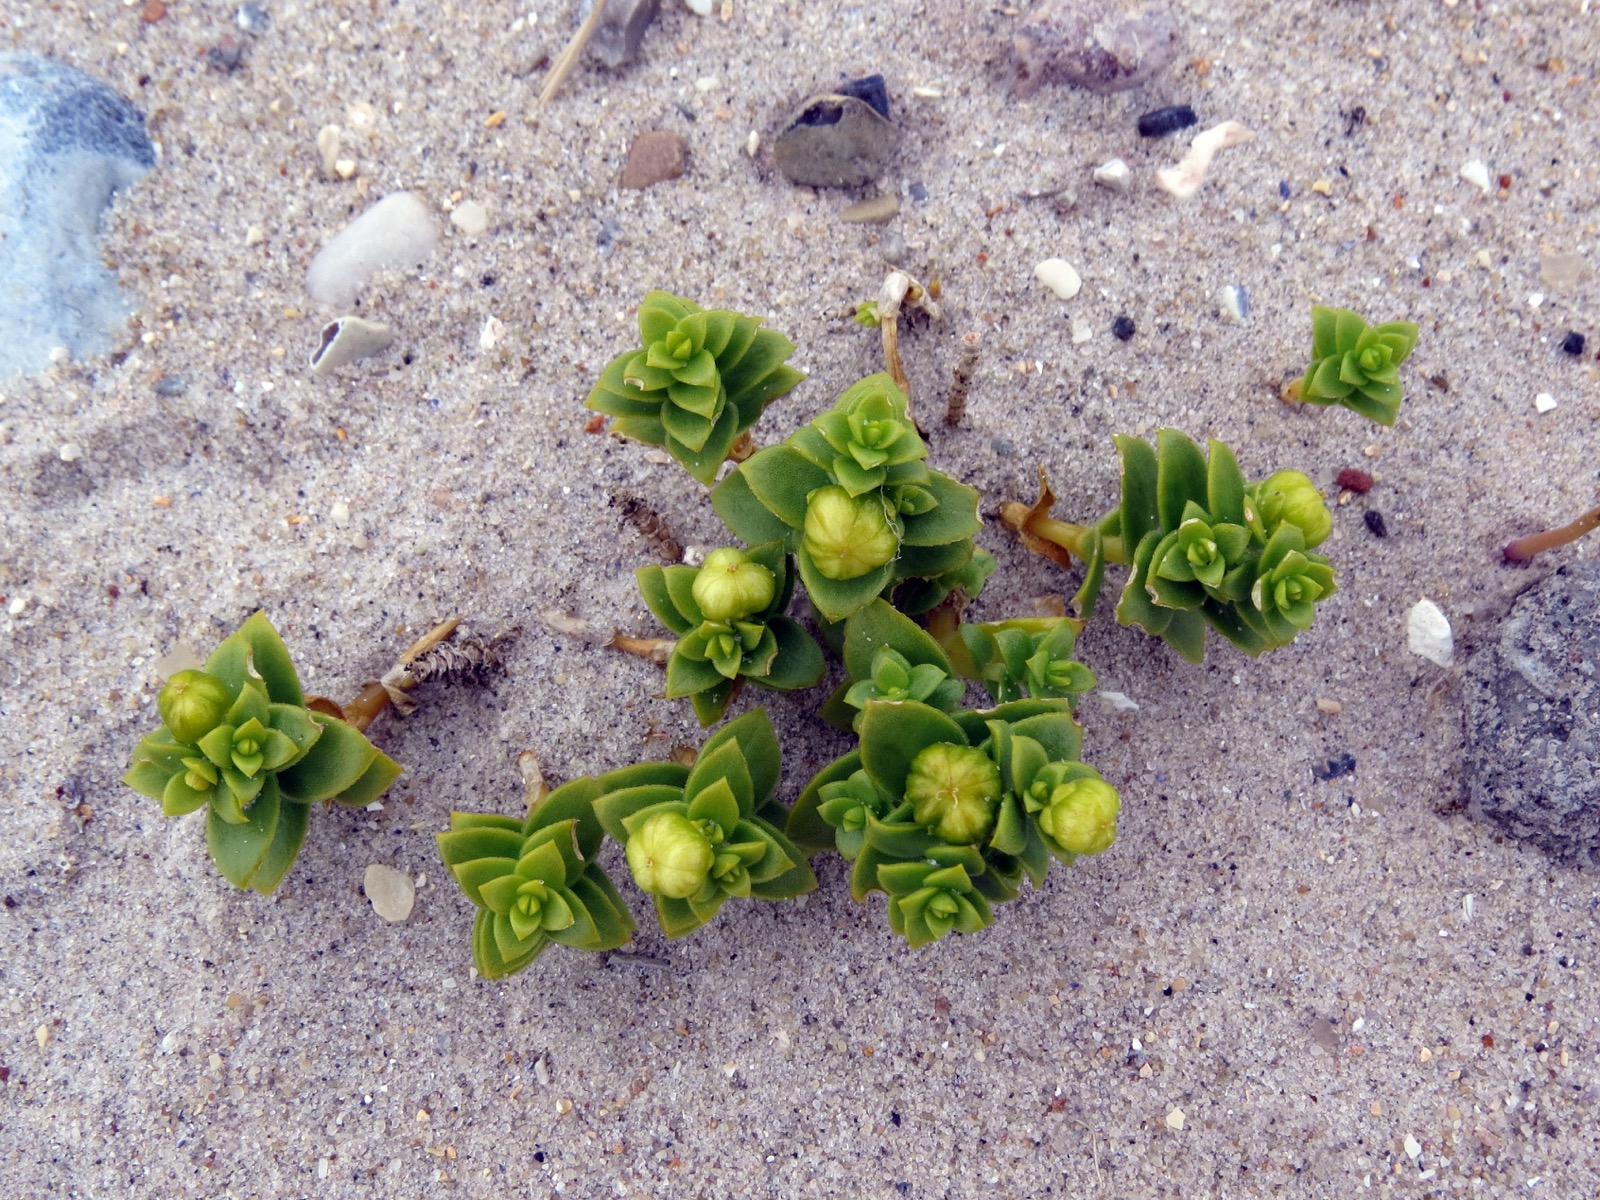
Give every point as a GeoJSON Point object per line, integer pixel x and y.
{"type": "Point", "coordinates": [329, 143]}
{"type": "Point", "coordinates": [1428, 633]}
{"type": "Point", "coordinates": [1184, 180]}
{"type": "Point", "coordinates": [397, 231]}
{"type": "Point", "coordinates": [1235, 302]}
{"type": "Point", "coordinates": [1057, 275]}
{"type": "Point", "coordinates": [1114, 175]}
{"type": "Point", "coordinates": [392, 893]}
{"type": "Point", "coordinates": [347, 339]}
{"type": "Point", "coordinates": [1544, 402]}
{"type": "Point", "coordinates": [700, 8]}
{"type": "Point", "coordinates": [1476, 173]}
{"type": "Point", "coordinates": [1175, 1120]}
{"type": "Point", "coordinates": [470, 217]}
{"type": "Point", "coordinates": [1118, 701]}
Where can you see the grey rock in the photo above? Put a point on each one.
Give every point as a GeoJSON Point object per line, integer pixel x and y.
{"type": "Point", "coordinates": [616, 42]}
{"type": "Point", "coordinates": [67, 143]}
{"type": "Point", "coordinates": [253, 19]}
{"type": "Point", "coordinates": [1101, 45]}
{"type": "Point", "coordinates": [1533, 717]}
{"type": "Point", "coordinates": [835, 141]}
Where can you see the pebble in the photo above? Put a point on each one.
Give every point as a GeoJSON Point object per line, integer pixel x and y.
{"type": "Point", "coordinates": [1330, 707]}
{"type": "Point", "coordinates": [67, 143]}
{"type": "Point", "coordinates": [835, 140]}
{"type": "Point", "coordinates": [1353, 480]}
{"type": "Point", "coordinates": [1573, 343]}
{"type": "Point", "coordinates": [1082, 331]}
{"type": "Point", "coordinates": [1184, 180]}
{"type": "Point", "coordinates": [1544, 402]}
{"type": "Point", "coordinates": [1235, 302]}
{"type": "Point", "coordinates": [1532, 696]}
{"type": "Point", "coordinates": [1428, 633]}
{"type": "Point", "coordinates": [1101, 45]}
{"type": "Point", "coordinates": [1117, 701]}
{"type": "Point", "coordinates": [253, 19]}
{"type": "Point", "coordinates": [329, 143]}
{"type": "Point", "coordinates": [616, 42]}
{"type": "Point", "coordinates": [1477, 174]}
{"type": "Point", "coordinates": [470, 217]}
{"type": "Point", "coordinates": [1113, 174]}
{"type": "Point", "coordinates": [872, 89]}
{"type": "Point", "coordinates": [1123, 328]}
{"type": "Point", "coordinates": [396, 231]}
{"type": "Point", "coordinates": [1561, 271]}
{"type": "Point", "coordinates": [347, 340]}
{"type": "Point", "coordinates": [1336, 768]}
{"type": "Point", "coordinates": [873, 211]}
{"type": "Point", "coordinates": [654, 157]}
{"type": "Point", "coordinates": [1057, 275]}
{"type": "Point", "coordinates": [1175, 1120]}
{"type": "Point", "coordinates": [172, 385]}
{"type": "Point", "coordinates": [1162, 121]}
{"type": "Point", "coordinates": [70, 452]}
{"type": "Point", "coordinates": [701, 8]}
{"type": "Point", "coordinates": [1413, 1147]}
{"type": "Point", "coordinates": [1375, 523]}
{"type": "Point", "coordinates": [392, 893]}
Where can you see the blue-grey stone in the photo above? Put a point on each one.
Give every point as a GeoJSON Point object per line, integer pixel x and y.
{"type": "Point", "coordinates": [67, 142]}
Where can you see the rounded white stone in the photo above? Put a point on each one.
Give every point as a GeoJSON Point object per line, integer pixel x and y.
{"type": "Point", "coordinates": [392, 893]}
{"type": "Point", "coordinates": [1476, 173]}
{"type": "Point", "coordinates": [470, 217]}
{"type": "Point", "coordinates": [1428, 633]}
{"type": "Point", "coordinates": [1057, 275]}
{"type": "Point", "coordinates": [396, 231]}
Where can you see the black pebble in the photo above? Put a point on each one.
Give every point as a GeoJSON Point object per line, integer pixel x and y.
{"type": "Point", "coordinates": [871, 89]}
{"type": "Point", "coordinates": [1163, 121]}
{"type": "Point", "coordinates": [1123, 328]}
{"type": "Point", "coordinates": [1283, 189]}
{"type": "Point", "coordinates": [1344, 764]}
{"type": "Point", "coordinates": [1374, 520]}
{"type": "Point", "coordinates": [1573, 343]}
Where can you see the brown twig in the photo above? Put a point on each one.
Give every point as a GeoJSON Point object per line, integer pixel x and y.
{"type": "Point", "coordinates": [649, 523]}
{"type": "Point", "coordinates": [1523, 549]}
{"type": "Point", "coordinates": [427, 658]}
{"type": "Point", "coordinates": [955, 406]}
{"type": "Point", "coordinates": [568, 59]}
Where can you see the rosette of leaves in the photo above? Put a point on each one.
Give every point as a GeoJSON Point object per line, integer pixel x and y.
{"type": "Point", "coordinates": [700, 379]}
{"type": "Point", "coordinates": [947, 812]}
{"type": "Point", "coordinates": [729, 617]}
{"type": "Point", "coordinates": [534, 881]}
{"type": "Point", "coordinates": [1022, 657]}
{"type": "Point", "coordinates": [890, 657]}
{"type": "Point", "coordinates": [1204, 547]}
{"type": "Point", "coordinates": [1356, 364]}
{"type": "Point", "coordinates": [852, 497]}
{"type": "Point", "coordinates": [238, 740]}
{"type": "Point", "coordinates": [694, 836]}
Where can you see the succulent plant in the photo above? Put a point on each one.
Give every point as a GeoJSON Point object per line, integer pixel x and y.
{"type": "Point", "coordinates": [946, 812]}
{"type": "Point", "coordinates": [852, 497]}
{"type": "Point", "coordinates": [890, 657]}
{"type": "Point", "coordinates": [696, 835]}
{"type": "Point", "coordinates": [701, 378]}
{"type": "Point", "coordinates": [728, 615]}
{"type": "Point", "coordinates": [1022, 657]}
{"type": "Point", "coordinates": [1205, 548]}
{"type": "Point", "coordinates": [534, 881]}
{"type": "Point", "coordinates": [238, 739]}
{"type": "Point", "coordinates": [1355, 364]}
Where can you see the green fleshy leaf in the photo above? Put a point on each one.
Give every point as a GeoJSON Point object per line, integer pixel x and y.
{"type": "Point", "coordinates": [781, 479]}
{"type": "Point", "coordinates": [658, 598]}
{"type": "Point", "coordinates": [613, 923]}
{"type": "Point", "coordinates": [805, 826]}
{"type": "Point", "coordinates": [839, 599]}
{"type": "Point", "coordinates": [932, 562]}
{"type": "Point", "coordinates": [879, 625]}
{"type": "Point", "coordinates": [1225, 486]}
{"type": "Point", "coordinates": [704, 461]}
{"type": "Point", "coordinates": [894, 734]}
{"type": "Point", "coordinates": [614, 808]}
{"type": "Point", "coordinates": [766, 354]}
{"type": "Point", "coordinates": [156, 759]}
{"type": "Point", "coordinates": [1324, 335]}
{"type": "Point", "coordinates": [178, 799]}
{"type": "Point", "coordinates": [472, 876]}
{"type": "Point", "coordinates": [574, 801]}
{"type": "Point", "coordinates": [1180, 476]}
{"type": "Point", "coordinates": [1139, 509]}
{"type": "Point", "coordinates": [743, 514]}
{"type": "Point", "coordinates": [676, 917]}
{"type": "Point", "coordinates": [718, 797]}
{"type": "Point", "coordinates": [799, 662]}
{"type": "Point", "coordinates": [239, 849]}
{"type": "Point", "coordinates": [689, 676]}
{"type": "Point", "coordinates": [711, 705]}
{"type": "Point", "coordinates": [336, 761]}
{"type": "Point", "coordinates": [1057, 733]}
{"type": "Point", "coordinates": [377, 779]}
{"type": "Point", "coordinates": [256, 647]}
{"type": "Point", "coordinates": [1135, 606]}
{"type": "Point", "coordinates": [1186, 633]}
{"type": "Point", "coordinates": [475, 842]}
{"type": "Point", "coordinates": [954, 517]}
{"type": "Point", "coordinates": [287, 838]}
{"type": "Point", "coordinates": [758, 744]}
{"type": "Point", "coordinates": [486, 956]}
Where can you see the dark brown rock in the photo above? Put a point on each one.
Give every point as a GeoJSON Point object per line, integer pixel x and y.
{"type": "Point", "coordinates": [654, 158]}
{"type": "Point", "coordinates": [616, 42]}
{"type": "Point", "coordinates": [1101, 45]}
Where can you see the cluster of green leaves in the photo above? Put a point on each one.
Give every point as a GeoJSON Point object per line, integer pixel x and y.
{"type": "Point", "coordinates": [1022, 658]}
{"type": "Point", "coordinates": [1355, 364]}
{"type": "Point", "coordinates": [852, 497]}
{"type": "Point", "coordinates": [238, 740]}
{"type": "Point", "coordinates": [729, 618]}
{"type": "Point", "coordinates": [701, 378]}
{"type": "Point", "coordinates": [693, 836]}
{"type": "Point", "coordinates": [947, 812]}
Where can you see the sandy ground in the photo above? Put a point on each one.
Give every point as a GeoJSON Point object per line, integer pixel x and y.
{"type": "Point", "coordinates": [1291, 964]}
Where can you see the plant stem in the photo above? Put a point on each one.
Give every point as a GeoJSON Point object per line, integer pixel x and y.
{"type": "Point", "coordinates": [1523, 549]}
{"type": "Point", "coordinates": [568, 58]}
{"type": "Point", "coordinates": [377, 695]}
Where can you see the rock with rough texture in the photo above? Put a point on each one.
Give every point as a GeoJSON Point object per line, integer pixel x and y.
{"type": "Point", "coordinates": [835, 140]}
{"type": "Point", "coordinates": [654, 157]}
{"type": "Point", "coordinates": [67, 143]}
{"type": "Point", "coordinates": [391, 892]}
{"type": "Point", "coordinates": [1533, 717]}
{"type": "Point", "coordinates": [616, 42]}
{"type": "Point", "coordinates": [397, 231]}
{"type": "Point", "coordinates": [1100, 45]}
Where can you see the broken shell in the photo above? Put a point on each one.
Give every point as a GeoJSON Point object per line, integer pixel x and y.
{"type": "Point", "coordinates": [835, 141]}
{"type": "Point", "coordinates": [346, 340]}
{"type": "Point", "coordinates": [1428, 633]}
{"type": "Point", "coordinates": [1184, 180]}
{"type": "Point", "coordinates": [396, 231]}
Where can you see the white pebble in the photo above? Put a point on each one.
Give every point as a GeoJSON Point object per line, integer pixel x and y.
{"type": "Point", "coordinates": [1175, 1119]}
{"type": "Point", "coordinates": [1477, 174]}
{"type": "Point", "coordinates": [72, 452]}
{"type": "Point", "coordinates": [1118, 701]}
{"type": "Point", "coordinates": [18, 606]}
{"type": "Point", "coordinates": [1184, 180]}
{"type": "Point", "coordinates": [1235, 302]}
{"type": "Point", "coordinates": [491, 333]}
{"type": "Point", "coordinates": [701, 8]}
{"type": "Point", "coordinates": [171, 1042]}
{"type": "Point", "coordinates": [396, 231]}
{"type": "Point", "coordinates": [339, 513]}
{"type": "Point", "coordinates": [1114, 175]}
{"type": "Point", "coordinates": [1535, 299]}
{"type": "Point", "coordinates": [1428, 633]}
{"type": "Point", "coordinates": [254, 236]}
{"type": "Point", "coordinates": [752, 143]}
{"type": "Point", "coordinates": [1544, 402]}
{"type": "Point", "coordinates": [1057, 275]}
{"type": "Point", "coordinates": [329, 143]}
{"type": "Point", "coordinates": [1082, 331]}
{"type": "Point", "coordinates": [707, 83]}
{"type": "Point", "coordinates": [470, 217]}
{"type": "Point", "coordinates": [1413, 1147]}
{"type": "Point", "coordinates": [392, 893]}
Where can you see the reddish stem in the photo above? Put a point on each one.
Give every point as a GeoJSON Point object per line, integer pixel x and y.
{"type": "Point", "coordinates": [1523, 549]}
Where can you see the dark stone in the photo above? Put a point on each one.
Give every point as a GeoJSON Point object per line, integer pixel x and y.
{"type": "Point", "coordinates": [835, 141]}
{"type": "Point", "coordinates": [616, 42]}
{"type": "Point", "coordinates": [1340, 765]}
{"type": "Point", "coordinates": [1123, 328]}
{"type": "Point", "coordinates": [1162, 121]}
{"type": "Point", "coordinates": [918, 192]}
{"type": "Point", "coordinates": [1375, 523]}
{"type": "Point", "coordinates": [872, 89]}
{"type": "Point", "coordinates": [1100, 45]}
{"type": "Point", "coordinates": [1353, 480]}
{"type": "Point", "coordinates": [227, 55]}
{"type": "Point", "coordinates": [1573, 343]}
{"type": "Point", "coordinates": [1533, 717]}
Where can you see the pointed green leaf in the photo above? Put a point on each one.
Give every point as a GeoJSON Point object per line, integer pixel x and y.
{"type": "Point", "coordinates": [239, 849]}
{"type": "Point", "coordinates": [805, 827]}
{"type": "Point", "coordinates": [799, 662]}
{"type": "Point", "coordinates": [614, 808]}
{"type": "Point", "coordinates": [742, 513]}
{"type": "Point", "coordinates": [1138, 509]}
{"type": "Point", "coordinates": [781, 479]}
{"type": "Point", "coordinates": [1180, 476]}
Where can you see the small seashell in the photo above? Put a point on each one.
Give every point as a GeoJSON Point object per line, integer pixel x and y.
{"type": "Point", "coordinates": [1184, 180]}
{"type": "Point", "coordinates": [1057, 275]}
{"type": "Point", "coordinates": [1428, 633]}
{"type": "Point", "coordinates": [347, 339]}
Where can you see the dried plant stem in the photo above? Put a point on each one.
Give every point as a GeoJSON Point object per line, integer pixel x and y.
{"type": "Point", "coordinates": [568, 58]}
{"type": "Point", "coordinates": [1523, 549]}
{"type": "Point", "coordinates": [657, 650]}
{"type": "Point", "coordinates": [955, 407]}
{"type": "Point", "coordinates": [426, 658]}
{"type": "Point", "coordinates": [534, 787]}
{"type": "Point", "coordinates": [657, 533]}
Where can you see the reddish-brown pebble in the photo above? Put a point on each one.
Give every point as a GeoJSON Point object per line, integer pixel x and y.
{"type": "Point", "coordinates": [1354, 481]}
{"type": "Point", "coordinates": [654, 158]}
{"type": "Point", "coordinates": [153, 11]}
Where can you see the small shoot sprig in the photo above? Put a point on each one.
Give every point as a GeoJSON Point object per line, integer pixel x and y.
{"type": "Point", "coordinates": [240, 739]}
{"type": "Point", "coordinates": [1523, 549]}
{"type": "Point", "coordinates": [1025, 657]}
{"type": "Point", "coordinates": [1204, 547]}
{"type": "Point", "coordinates": [889, 657]}
{"type": "Point", "coordinates": [1355, 364]}
{"type": "Point", "coordinates": [700, 380]}
{"type": "Point", "coordinates": [729, 617]}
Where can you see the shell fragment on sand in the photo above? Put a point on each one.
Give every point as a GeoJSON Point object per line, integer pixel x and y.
{"type": "Point", "coordinates": [391, 892]}
{"type": "Point", "coordinates": [347, 339]}
{"type": "Point", "coordinates": [1428, 633]}
{"type": "Point", "coordinates": [1184, 179]}
{"type": "Point", "coordinates": [397, 231]}
{"type": "Point", "coordinates": [470, 217]}
{"type": "Point", "coordinates": [1057, 275]}
{"type": "Point", "coordinates": [1101, 45]}
{"type": "Point", "coordinates": [835, 140]}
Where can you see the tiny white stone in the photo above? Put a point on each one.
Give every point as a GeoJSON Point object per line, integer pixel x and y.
{"type": "Point", "coordinates": [1544, 402]}
{"type": "Point", "coordinates": [70, 452]}
{"type": "Point", "coordinates": [470, 217]}
{"type": "Point", "coordinates": [18, 606]}
{"type": "Point", "coordinates": [1469, 905]}
{"type": "Point", "coordinates": [1428, 633]}
{"type": "Point", "coordinates": [1477, 174]}
{"type": "Point", "coordinates": [1413, 1147]}
{"type": "Point", "coordinates": [1235, 302]}
{"type": "Point", "coordinates": [254, 236]}
{"type": "Point", "coordinates": [1057, 275]}
{"type": "Point", "coordinates": [396, 231]}
{"type": "Point", "coordinates": [170, 1042]}
{"type": "Point", "coordinates": [1082, 331]}
{"type": "Point", "coordinates": [1535, 299]}
{"type": "Point", "coordinates": [701, 8]}
{"type": "Point", "coordinates": [1118, 701]}
{"type": "Point", "coordinates": [1114, 175]}
{"type": "Point", "coordinates": [60, 355]}
{"type": "Point", "coordinates": [493, 330]}
{"type": "Point", "coordinates": [329, 143]}
{"type": "Point", "coordinates": [752, 143]}
{"type": "Point", "coordinates": [392, 893]}
{"type": "Point", "coordinates": [707, 83]}
{"type": "Point", "coordinates": [1175, 1119]}
{"type": "Point", "coordinates": [340, 512]}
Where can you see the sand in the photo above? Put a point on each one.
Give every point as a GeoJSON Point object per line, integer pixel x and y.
{"type": "Point", "coordinates": [1271, 985]}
